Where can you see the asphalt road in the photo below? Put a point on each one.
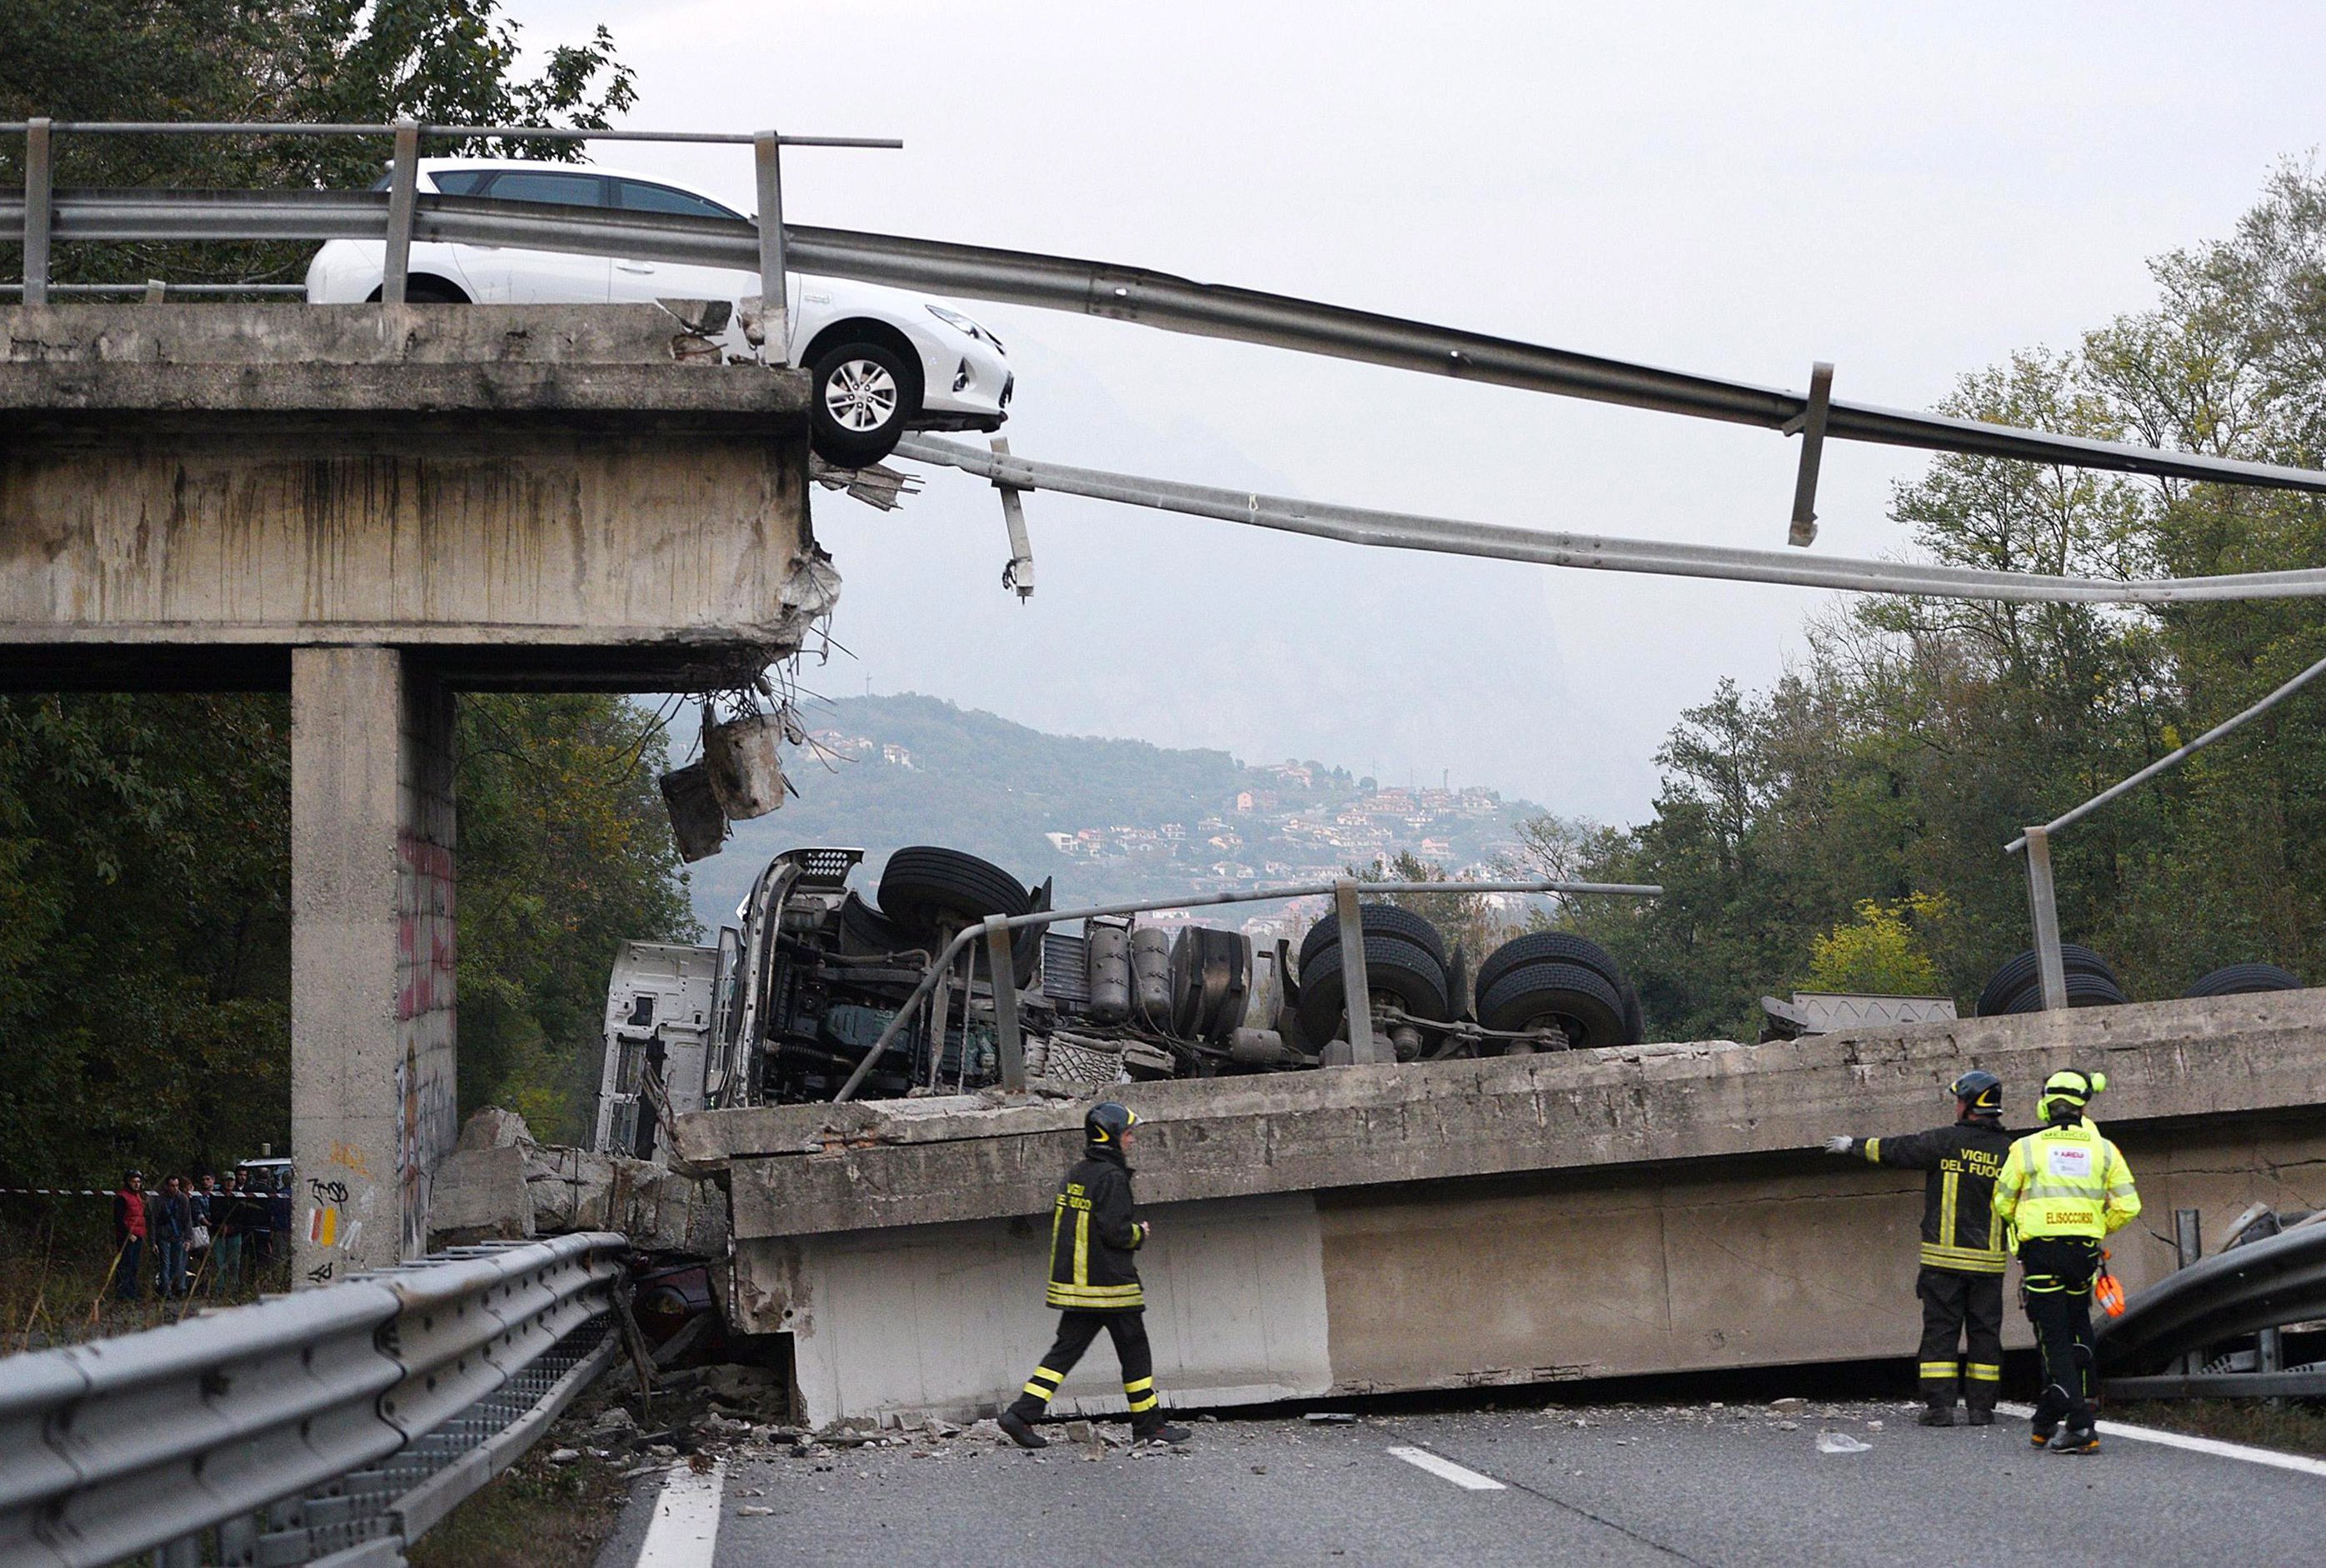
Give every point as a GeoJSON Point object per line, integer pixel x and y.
{"type": "Point", "coordinates": [1660, 1486]}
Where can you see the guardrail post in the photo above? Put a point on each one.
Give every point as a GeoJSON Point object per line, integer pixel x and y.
{"type": "Point", "coordinates": [767, 155]}
{"type": "Point", "coordinates": [403, 191]}
{"type": "Point", "coordinates": [1803, 531]}
{"type": "Point", "coordinates": [1356, 988]}
{"type": "Point", "coordinates": [2046, 917]}
{"type": "Point", "coordinates": [38, 181]}
{"type": "Point", "coordinates": [1001, 967]}
{"type": "Point", "coordinates": [1019, 573]}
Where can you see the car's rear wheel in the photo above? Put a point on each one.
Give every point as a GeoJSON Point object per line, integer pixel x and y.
{"type": "Point", "coordinates": [425, 291]}
{"type": "Point", "coordinates": [861, 397]}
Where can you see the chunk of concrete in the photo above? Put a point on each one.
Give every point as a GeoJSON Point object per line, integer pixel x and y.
{"type": "Point", "coordinates": [495, 1128]}
{"type": "Point", "coordinates": [656, 1207]}
{"type": "Point", "coordinates": [479, 1195]}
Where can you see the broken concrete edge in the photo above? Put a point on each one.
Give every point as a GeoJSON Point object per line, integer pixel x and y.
{"type": "Point", "coordinates": [499, 1184]}
{"type": "Point", "coordinates": [806, 1170]}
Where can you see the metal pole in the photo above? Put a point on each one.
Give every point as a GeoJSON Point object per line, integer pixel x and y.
{"type": "Point", "coordinates": [767, 156]}
{"type": "Point", "coordinates": [1804, 529]}
{"type": "Point", "coordinates": [2046, 917]}
{"type": "Point", "coordinates": [39, 180]}
{"type": "Point", "coordinates": [1356, 989]}
{"type": "Point", "coordinates": [1019, 573]}
{"type": "Point", "coordinates": [403, 191]}
{"type": "Point", "coordinates": [2188, 1247]}
{"type": "Point", "coordinates": [1001, 967]}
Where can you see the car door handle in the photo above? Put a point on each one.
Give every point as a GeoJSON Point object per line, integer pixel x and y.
{"type": "Point", "coordinates": [636, 266]}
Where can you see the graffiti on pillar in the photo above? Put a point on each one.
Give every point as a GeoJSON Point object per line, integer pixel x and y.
{"type": "Point", "coordinates": [428, 1117]}
{"type": "Point", "coordinates": [329, 1225]}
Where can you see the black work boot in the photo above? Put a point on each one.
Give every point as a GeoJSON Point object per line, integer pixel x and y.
{"type": "Point", "coordinates": [1937, 1416]}
{"type": "Point", "coordinates": [1978, 1416]}
{"type": "Point", "coordinates": [1161, 1431]}
{"type": "Point", "coordinates": [2076, 1440]}
{"type": "Point", "coordinates": [1020, 1430]}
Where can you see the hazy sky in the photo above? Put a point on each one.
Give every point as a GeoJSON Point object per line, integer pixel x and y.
{"type": "Point", "coordinates": [1732, 190]}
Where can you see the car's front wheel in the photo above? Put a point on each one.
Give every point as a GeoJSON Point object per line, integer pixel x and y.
{"type": "Point", "coordinates": [862, 397]}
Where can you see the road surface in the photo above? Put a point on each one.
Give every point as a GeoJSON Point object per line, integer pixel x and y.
{"type": "Point", "coordinates": [1622, 1486]}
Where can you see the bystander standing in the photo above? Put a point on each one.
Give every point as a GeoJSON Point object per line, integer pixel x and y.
{"type": "Point", "coordinates": [128, 1236]}
{"type": "Point", "coordinates": [171, 1221]}
{"type": "Point", "coordinates": [225, 1236]}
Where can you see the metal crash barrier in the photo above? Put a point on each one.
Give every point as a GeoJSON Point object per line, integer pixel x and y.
{"type": "Point", "coordinates": [2256, 1288]}
{"type": "Point", "coordinates": [331, 1426]}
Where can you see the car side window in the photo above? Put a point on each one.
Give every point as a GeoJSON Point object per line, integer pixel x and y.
{"type": "Point", "coordinates": [638, 196]}
{"type": "Point", "coordinates": [460, 182]}
{"type": "Point", "coordinates": [537, 185]}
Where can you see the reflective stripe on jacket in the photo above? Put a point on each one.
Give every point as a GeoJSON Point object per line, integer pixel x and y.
{"type": "Point", "coordinates": [1092, 1234]}
{"type": "Point", "coordinates": [2066, 1180]}
{"type": "Point", "coordinates": [1961, 1232]}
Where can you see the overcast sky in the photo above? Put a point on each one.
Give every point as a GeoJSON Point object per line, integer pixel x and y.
{"type": "Point", "coordinates": [1733, 190]}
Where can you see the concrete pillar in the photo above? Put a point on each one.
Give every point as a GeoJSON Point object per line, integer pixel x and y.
{"type": "Point", "coordinates": [372, 1106]}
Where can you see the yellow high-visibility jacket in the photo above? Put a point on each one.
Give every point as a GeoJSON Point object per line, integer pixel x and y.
{"type": "Point", "coordinates": [2066, 1180]}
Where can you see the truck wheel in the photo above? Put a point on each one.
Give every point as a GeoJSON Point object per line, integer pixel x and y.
{"type": "Point", "coordinates": [1403, 970]}
{"type": "Point", "coordinates": [2084, 990]}
{"type": "Point", "coordinates": [2247, 980]}
{"type": "Point", "coordinates": [1546, 948]}
{"type": "Point", "coordinates": [924, 885]}
{"type": "Point", "coordinates": [2018, 975]}
{"type": "Point", "coordinates": [1387, 919]}
{"type": "Point", "coordinates": [1567, 998]}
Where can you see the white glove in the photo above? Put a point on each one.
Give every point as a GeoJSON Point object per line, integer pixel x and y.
{"type": "Point", "coordinates": [1839, 1146]}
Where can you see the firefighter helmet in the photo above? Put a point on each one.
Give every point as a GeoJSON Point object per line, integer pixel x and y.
{"type": "Point", "coordinates": [2067, 1092]}
{"type": "Point", "coordinates": [1982, 1091]}
{"type": "Point", "coordinates": [1107, 1122]}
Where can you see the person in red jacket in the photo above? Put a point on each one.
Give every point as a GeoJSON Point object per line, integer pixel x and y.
{"type": "Point", "coordinates": [128, 1236]}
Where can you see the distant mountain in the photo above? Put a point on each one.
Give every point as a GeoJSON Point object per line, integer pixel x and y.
{"type": "Point", "coordinates": [1108, 820]}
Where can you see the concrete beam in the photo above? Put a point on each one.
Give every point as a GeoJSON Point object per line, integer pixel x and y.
{"type": "Point", "coordinates": [805, 1169]}
{"type": "Point", "coordinates": [542, 496]}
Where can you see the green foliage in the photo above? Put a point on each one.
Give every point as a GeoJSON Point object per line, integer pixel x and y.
{"type": "Point", "coordinates": [564, 853]}
{"type": "Point", "coordinates": [1882, 951]}
{"type": "Point", "coordinates": [1918, 736]}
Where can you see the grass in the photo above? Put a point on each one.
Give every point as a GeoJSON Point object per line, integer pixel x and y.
{"type": "Point", "coordinates": [533, 1515]}
{"type": "Point", "coordinates": [2292, 1427]}
{"type": "Point", "coordinates": [57, 1283]}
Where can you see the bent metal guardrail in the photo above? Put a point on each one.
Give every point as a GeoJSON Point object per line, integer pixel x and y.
{"type": "Point", "coordinates": [332, 1425]}
{"type": "Point", "coordinates": [2262, 1285]}
{"type": "Point", "coordinates": [400, 215]}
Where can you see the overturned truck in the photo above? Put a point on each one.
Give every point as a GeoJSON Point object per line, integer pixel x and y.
{"type": "Point", "coordinates": [818, 992]}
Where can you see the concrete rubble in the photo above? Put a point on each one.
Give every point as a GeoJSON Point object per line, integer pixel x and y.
{"type": "Point", "coordinates": [499, 1184]}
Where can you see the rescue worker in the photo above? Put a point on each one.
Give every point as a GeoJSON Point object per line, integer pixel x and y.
{"type": "Point", "coordinates": [2062, 1189]}
{"type": "Point", "coordinates": [1094, 1282]}
{"type": "Point", "coordinates": [1965, 1248]}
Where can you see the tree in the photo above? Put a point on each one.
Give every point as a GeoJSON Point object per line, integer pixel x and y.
{"type": "Point", "coordinates": [1470, 919]}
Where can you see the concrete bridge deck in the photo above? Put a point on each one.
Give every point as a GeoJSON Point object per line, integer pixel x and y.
{"type": "Point", "coordinates": [1517, 1219]}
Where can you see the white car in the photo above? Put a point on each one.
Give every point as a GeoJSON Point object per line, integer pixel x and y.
{"type": "Point", "coordinates": [884, 360]}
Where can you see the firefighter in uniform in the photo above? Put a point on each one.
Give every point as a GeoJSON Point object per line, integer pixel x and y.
{"type": "Point", "coordinates": [1094, 1283]}
{"type": "Point", "coordinates": [1964, 1245]}
{"type": "Point", "coordinates": [2062, 1189]}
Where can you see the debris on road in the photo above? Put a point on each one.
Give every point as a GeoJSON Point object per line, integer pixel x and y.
{"type": "Point", "coordinates": [1840, 1442]}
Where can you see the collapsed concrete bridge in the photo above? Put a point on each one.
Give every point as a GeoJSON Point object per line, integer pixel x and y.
{"type": "Point", "coordinates": [1518, 1219]}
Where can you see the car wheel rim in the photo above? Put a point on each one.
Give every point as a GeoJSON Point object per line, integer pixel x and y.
{"type": "Point", "coordinates": [861, 395]}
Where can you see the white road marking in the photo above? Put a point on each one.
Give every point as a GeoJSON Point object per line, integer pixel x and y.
{"type": "Point", "coordinates": [684, 1529]}
{"type": "Point", "coordinates": [2264, 1456]}
{"type": "Point", "coordinates": [1445, 1469]}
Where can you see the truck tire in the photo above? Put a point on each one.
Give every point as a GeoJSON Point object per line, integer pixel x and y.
{"type": "Point", "coordinates": [2017, 975]}
{"type": "Point", "coordinates": [922, 884]}
{"type": "Point", "coordinates": [1386, 918]}
{"type": "Point", "coordinates": [1546, 948]}
{"type": "Point", "coordinates": [865, 932]}
{"type": "Point", "coordinates": [2084, 990]}
{"type": "Point", "coordinates": [1579, 1002]}
{"type": "Point", "coordinates": [1405, 970]}
{"type": "Point", "coordinates": [2247, 980]}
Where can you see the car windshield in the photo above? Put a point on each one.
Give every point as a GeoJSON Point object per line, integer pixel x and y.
{"type": "Point", "coordinates": [639, 196]}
